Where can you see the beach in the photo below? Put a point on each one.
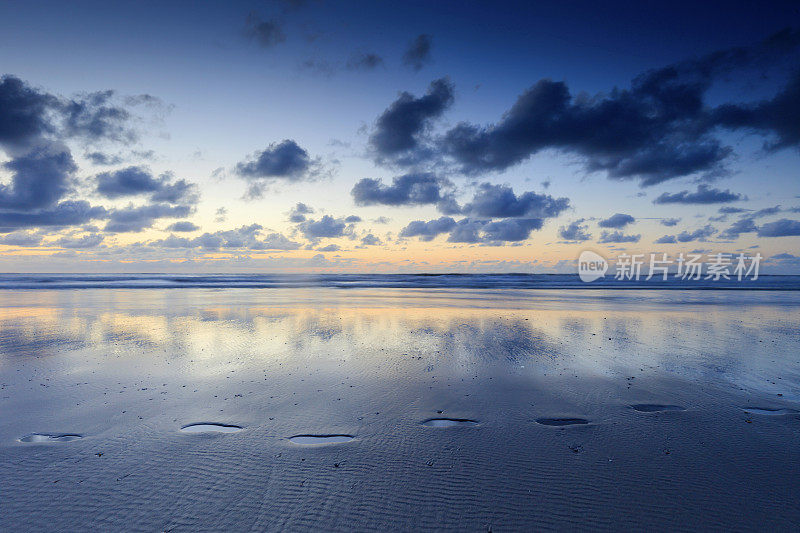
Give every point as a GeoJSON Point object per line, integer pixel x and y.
{"type": "Point", "coordinates": [338, 409]}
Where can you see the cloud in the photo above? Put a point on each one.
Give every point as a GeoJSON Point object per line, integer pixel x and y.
{"type": "Point", "coordinates": [728, 210]}
{"type": "Point", "coordinates": [299, 212]}
{"type": "Point", "coordinates": [370, 240]}
{"type": "Point", "coordinates": [666, 239]}
{"type": "Point", "coordinates": [325, 228]}
{"type": "Point", "coordinates": [33, 128]}
{"type": "Point", "coordinates": [427, 231]}
{"type": "Point", "coordinates": [95, 116]}
{"type": "Point", "coordinates": [617, 237]}
{"type": "Point", "coordinates": [575, 231]}
{"type": "Point", "coordinates": [780, 228]}
{"type": "Point", "coordinates": [409, 189]}
{"type": "Point", "coordinates": [23, 112]}
{"type": "Point", "coordinates": [700, 234]}
{"type": "Point", "coordinates": [329, 248]}
{"type": "Point", "coordinates": [778, 117]}
{"type": "Point", "coordinates": [669, 222]}
{"type": "Point", "coordinates": [743, 225]}
{"type": "Point", "coordinates": [91, 240]}
{"type": "Point", "coordinates": [399, 130]}
{"type": "Point", "coordinates": [510, 229]}
{"type": "Point", "coordinates": [183, 226]}
{"type": "Point", "coordinates": [66, 213]}
{"type": "Point", "coordinates": [247, 237]}
{"type": "Point", "coordinates": [135, 180]}
{"type": "Point", "coordinates": [364, 61]}
{"type": "Point", "coordinates": [474, 231]}
{"type": "Point", "coordinates": [658, 129]}
{"type": "Point", "coordinates": [100, 158]}
{"type": "Point", "coordinates": [418, 53]}
{"type": "Point", "coordinates": [500, 201]}
{"type": "Point", "coordinates": [137, 218]}
{"type": "Point", "coordinates": [616, 221]}
{"type": "Point", "coordinates": [284, 161]}
{"type": "Point", "coordinates": [266, 33]}
{"type": "Point", "coordinates": [21, 238]}
{"type": "Point", "coordinates": [703, 195]}
{"type": "Point", "coordinates": [39, 178]}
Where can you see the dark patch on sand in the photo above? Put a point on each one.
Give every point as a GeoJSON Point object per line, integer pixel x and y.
{"type": "Point", "coordinates": [47, 437]}
{"type": "Point", "coordinates": [320, 439]}
{"type": "Point", "coordinates": [204, 427]}
{"type": "Point", "coordinates": [449, 422]}
{"type": "Point", "coordinates": [561, 421]}
{"type": "Point", "coordinates": [655, 407]}
{"type": "Point", "coordinates": [769, 411]}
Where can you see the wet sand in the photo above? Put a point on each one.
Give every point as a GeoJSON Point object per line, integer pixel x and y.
{"type": "Point", "coordinates": [399, 409]}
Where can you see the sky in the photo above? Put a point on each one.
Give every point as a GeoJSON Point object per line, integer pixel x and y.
{"type": "Point", "coordinates": [371, 137]}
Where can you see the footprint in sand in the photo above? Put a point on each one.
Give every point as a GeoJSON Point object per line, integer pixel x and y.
{"type": "Point", "coordinates": [206, 428]}
{"type": "Point", "coordinates": [769, 411]}
{"type": "Point", "coordinates": [561, 421]}
{"type": "Point", "coordinates": [449, 422]}
{"type": "Point", "coordinates": [320, 439]}
{"type": "Point", "coordinates": [47, 437]}
{"type": "Point", "coordinates": [655, 407]}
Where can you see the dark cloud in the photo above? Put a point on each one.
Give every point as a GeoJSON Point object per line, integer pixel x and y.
{"type": "Point", "coordinates": [700, 234]}
{"type": "Point", "coordinates": [135, 180]}
{"type": "Point", "coordinates": [102, 159]}
{"type": "Point", "coordinates": [779, 117]}
{"type": "Point", "coordinates": [299, 212]}
{"type": "Point", "coordinates": [658, 129]}
{"type": "Point", "coordinates": [780, 228]}
{"type": "Point", "coordinates": [91, 240]}
{"type": "Point", "coordinates": [669, 222]}
{"type": "Point", "coordinates": [21, 238]}
{"type": "Point", "coordinates": [183, 226]}
{"type": "Point", "coordinates": [248, 237]}
{"type": "Point", "coordinates": [729, 210]}
{"type": "Point", "coordinates": [399, 130]}
{"type": "Point", "coordinates": [66, 213]}
{"type": "Point", "coordinates": [284, 161]}
{"type": "Point", "coordinates": [409, 189]}
{"type": "Point", "coordinates": [500, 201]}
{"type": "Point", "coordinates": [137, 218]}
{"type": "Point", "coordinates": [95, 116]}
{"type": "Point", "coordinates": [427, 231]}
{"type": "Point", "coordinates": [33, 127]}
{"type": "Point", "coordinates": [23, 112]}
{"type": "Point", "coordinates": [575, 231]}
{"type": "Point", "coordinates": [40, 178]}
{"type": "Point", "coordinates": [467, 230]}
{"type": "Point", "coordinates": [666, 239]}
{"type": "Point", "coordinates": [743, 225]}
{"type": "Point", "coordinates": [768, 211]}
{"type": "Point", "coordinates": [364, 61]}
{"type": "Point", "coordinates": [325, 228]}
{"type": "Point", "coordinates": [329, 248]}
{"type": "Point", "coordinates": [703, 195]}
{"type": "Point", "coordinates": [267, 33]}
{"type": "Point", "coordinates": [617, 237]}
{"type": "Point", "coordinates": [370, 240]}
{"type": "Point", "coordinates": [418, 53]}
{"type": "Point", "coordinates": [474, 231]}
{"type": "Point", "coordinates": [616, 221]}
{"type": "Point", "coordinates": [510, 229]}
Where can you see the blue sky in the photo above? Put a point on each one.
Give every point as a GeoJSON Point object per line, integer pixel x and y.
{"type": "Point", "coordinates": [223, 117]}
